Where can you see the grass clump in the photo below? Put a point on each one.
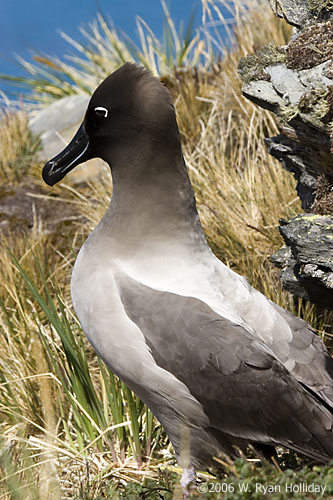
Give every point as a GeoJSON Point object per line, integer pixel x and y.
{"type": "Point", "coordinates": [69, 428]}
{"type": "Point", "coordinates": [18, 147]}
{"type": "Point", "coordinates": [61, 407]}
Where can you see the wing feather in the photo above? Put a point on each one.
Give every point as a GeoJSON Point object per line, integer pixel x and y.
{"type": "Point", "coordinates": [245, 391]}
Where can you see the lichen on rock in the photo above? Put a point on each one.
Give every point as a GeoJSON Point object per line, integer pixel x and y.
{"type": "Point", "coordinates": [252, 67]}
{"type": "Point", "coordinates": [318, 6]}
{"type": "Point", "coordinates": [302, 13]}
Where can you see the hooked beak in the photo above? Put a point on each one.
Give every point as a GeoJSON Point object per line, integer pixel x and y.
{"type": "Point", "coordinates": [75, 153]}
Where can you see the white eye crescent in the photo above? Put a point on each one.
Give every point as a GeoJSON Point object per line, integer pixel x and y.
{"type": "Point", "coordinates": [102, 112]}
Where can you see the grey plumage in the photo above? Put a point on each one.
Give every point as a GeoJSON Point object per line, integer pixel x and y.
{"type": "Point", "coordinates": [238, 381]}
{"type": "Point", "coordinates": [219, 364]}
{"type": "Point", "coordinates": [313, 364]}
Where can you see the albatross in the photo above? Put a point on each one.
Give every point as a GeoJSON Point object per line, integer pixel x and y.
{"type": "Point", "coordinates": [219, 365]}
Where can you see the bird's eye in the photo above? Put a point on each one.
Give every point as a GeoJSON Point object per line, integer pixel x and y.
{"type": "Point", "coordinates": [102, 112]}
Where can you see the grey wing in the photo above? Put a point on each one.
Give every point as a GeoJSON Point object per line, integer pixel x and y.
{"type": "Point", "coordinates": [245, 392]}
{"type": "Point", "coordinates": [313, 365]}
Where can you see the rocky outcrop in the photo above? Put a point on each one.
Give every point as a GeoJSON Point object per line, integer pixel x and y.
{"type": "Point", "coordinates": [295, 82]}
{"type": "Point", "coordinates": [306, 261]}
{"type": "Point", "coordinates": [301, 13]}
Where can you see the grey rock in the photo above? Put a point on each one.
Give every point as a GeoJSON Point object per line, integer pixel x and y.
{"type": "Point", "coordinates": [298, 12]}
{"type": "Point", "coordinates": [315, 77]}
{"type": "Point", "coordinates": [293, 97]}
{"type": "Point", "coordinates": [307, 260]}
{"type": "Point", "coordinates": [295, 158]}
{"type": "Point", "coordinates": [282, 257]}
{"type": "Point", "coordinates": [293, 11]}
{"type": "Point", "coordinates": [284, 80]}
{"type": "Point", "coordinates": [262, 93]}
{"type": "Point", "coordinates": [57, 123]}
{"type": "Point", "coordinates": [310, 238]}
{"type": "Point", "coordinates": [283, 95]}
{"type": "Point", "coordinates": [313, 271]}
{"type": "Point", "coordinates": [59, 115]}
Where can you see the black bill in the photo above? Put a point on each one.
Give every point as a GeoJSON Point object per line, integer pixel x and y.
{"type": "Point", "coordinates": [75, 153]}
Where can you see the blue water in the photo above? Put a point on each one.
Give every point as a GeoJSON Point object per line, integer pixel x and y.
{"type": "Point", "coordinates": [30, 26]}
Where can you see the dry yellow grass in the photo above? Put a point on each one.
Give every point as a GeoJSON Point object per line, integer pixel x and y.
{"type": "Point", "coordinates": [17, 146]}
{"type": "Point", "coordinates": [241, 192]}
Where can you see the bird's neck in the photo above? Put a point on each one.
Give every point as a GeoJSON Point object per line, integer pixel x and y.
{"type": "Point", "coordinates": [152, 201]}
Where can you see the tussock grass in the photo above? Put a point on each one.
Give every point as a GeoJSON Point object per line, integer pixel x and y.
{"type": "Point", "coordinates": [68, 425]}
{"type": "Point", "coordinates": [17, 146]}
{"type": "Point", "coordinates": [61, 407]}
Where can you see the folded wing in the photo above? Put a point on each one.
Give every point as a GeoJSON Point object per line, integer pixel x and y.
{"type": "Point", "coordinates": [245, 391]}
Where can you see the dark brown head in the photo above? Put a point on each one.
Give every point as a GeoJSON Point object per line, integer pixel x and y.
{"type": "Point", "coordinates": [130, 110]}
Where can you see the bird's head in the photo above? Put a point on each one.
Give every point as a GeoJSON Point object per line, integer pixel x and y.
{"type": "Point", "coordinates": [129, 111]}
